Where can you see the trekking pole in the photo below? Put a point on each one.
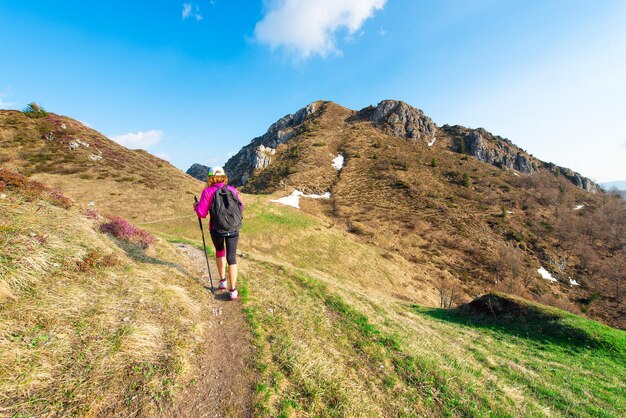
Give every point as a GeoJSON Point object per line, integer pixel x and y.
{"type": "Point", "coordinates": [204, 245]}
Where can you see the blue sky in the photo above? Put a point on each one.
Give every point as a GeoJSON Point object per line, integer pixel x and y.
{"type": "Point", "coordinates": [196, 80]}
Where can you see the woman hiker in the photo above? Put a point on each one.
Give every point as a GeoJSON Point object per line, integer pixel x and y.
{"type": "Point", "coordinates": [224, 224]}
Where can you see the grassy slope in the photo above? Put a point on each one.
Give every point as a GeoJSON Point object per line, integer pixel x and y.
{"type": "Point", "coordinates": [333, 340]}
{"type": "Point", "coordinates": [338, 333]}
{"type": "Point", "coordinates": [89, 325]}
{"type": "Point", "coordinates": [131, 183]}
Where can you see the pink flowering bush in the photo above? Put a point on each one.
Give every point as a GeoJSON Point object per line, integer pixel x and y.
{"type": "Point", "coordinates": [91, 213]}
{"type": "Point", "coordinates": [122, 229]}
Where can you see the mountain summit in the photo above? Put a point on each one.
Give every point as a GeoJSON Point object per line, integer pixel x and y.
{"type": "Point", "coordinates": [459, 202]}
{"type": "Point", "coordinates": [398, 119]}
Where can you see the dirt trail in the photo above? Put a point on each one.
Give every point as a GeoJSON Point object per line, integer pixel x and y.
{"type": "Point", "coordinates": [223, 384]}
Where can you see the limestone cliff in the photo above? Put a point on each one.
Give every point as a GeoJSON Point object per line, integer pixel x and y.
{"type": "Point", "coordinates": [259, 153]}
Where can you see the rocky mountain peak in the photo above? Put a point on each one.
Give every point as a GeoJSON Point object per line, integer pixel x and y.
{"type": "Point", "coordinates": [198, 171]}
{"type": "Point", "coordinates": [403, 120]}
{"type": "Point", "coordinates": [395, 118]}
{"type": "Point", "coordinates": [259, 153]}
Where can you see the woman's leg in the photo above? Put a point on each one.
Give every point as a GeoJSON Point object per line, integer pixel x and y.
{"type": "Point", "coordinates": [220, 254]}
{"type": "Point", "coordinates": [231, 258]}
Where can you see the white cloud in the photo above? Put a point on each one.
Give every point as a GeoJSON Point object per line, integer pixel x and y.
{"type": "Point", "coordinates": [139, 139]}
{"type": "Point", "coordinates": [191, 10]}
{"type": "Point", "coordinates": [4, 104]}
{"type": "Point", "coordinates": [307, 28]}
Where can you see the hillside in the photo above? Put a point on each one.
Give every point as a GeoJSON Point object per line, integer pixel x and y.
{"type": "Point", "coordinates": [92, 169]}
{"type": "Point", "coordinates": [337, 324]}
{"type": "Point", "coordinates": [92, 323]}
{"type": "Point", "coordinates": [468, 204]}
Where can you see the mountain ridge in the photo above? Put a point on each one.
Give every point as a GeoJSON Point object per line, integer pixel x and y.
{"type": "Point", "coordinates": [401, 120]}
{"type": "Point", "coordinates": [463, 200]}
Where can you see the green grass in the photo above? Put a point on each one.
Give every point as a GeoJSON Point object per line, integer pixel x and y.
{"type": "Point", "coordinates": [331, 349]}
{"type": "Point", "coordinates": [572, 365]}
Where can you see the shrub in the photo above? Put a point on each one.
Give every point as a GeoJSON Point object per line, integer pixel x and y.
{"type": "Point", "coordinates": [33, 110]}
{"type": "Point", "coordinates": [122, 229]}
{"type": "Point", "coordinates": [504, 212]}
{"type": "Point", "coordinates": [32, 189]}
{"type": "Point", "coordinates": [94, 259]}
{"type": "Point", "coordinates": [466, 180]}
{"type": "Point", "coordinates": [433, 162]}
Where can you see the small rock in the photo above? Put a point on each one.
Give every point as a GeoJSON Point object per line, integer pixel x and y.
{"type": "Point", "coordinates": [221, 322]}
{"type": "Point", "coordinates": [95, 157]}
{"type": "Point", "coordinates": [32, 234]}
{"type": "Point", "coordinates": [271, 310]}
{"type": "Point", "coordinates": [64, 127]}
{"type": "Point", "coordinates": [3, 196]}
{"type": "Point", "coordinates": [91, 204]}
{"type": "Point", "coordinates": [57, 265]}
{"type": "Point", "coordinates": [126, 319]}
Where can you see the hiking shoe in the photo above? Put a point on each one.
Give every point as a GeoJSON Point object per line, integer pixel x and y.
{"type": "Point", "coordinates": [222, 284]}
{"type": "Point", "coordinates": [233, 294]}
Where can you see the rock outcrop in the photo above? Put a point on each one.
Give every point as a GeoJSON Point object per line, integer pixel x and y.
{"type": "Point", "coordinates": [497, 151]}
{"type": "Point", "coordinates": [198, 171]}
{"type": "Point", "coordinates": [400, 119]}
{"type": "Point", "coordinates": [260, 152]}
{"type": "Point", "coordinates": [501, 152]}
{"type": "Point", "coordinates": [576, 178]}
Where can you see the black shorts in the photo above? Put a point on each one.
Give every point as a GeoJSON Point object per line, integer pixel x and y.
{"type": "Point", "coordinates": [230, 242]}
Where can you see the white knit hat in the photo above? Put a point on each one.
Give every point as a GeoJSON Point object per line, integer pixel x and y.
{"type": "Point", "coordinates": [216, 171]}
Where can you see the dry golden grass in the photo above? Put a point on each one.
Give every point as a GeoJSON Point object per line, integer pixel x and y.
{"type": "Point", "coordinates": [109, 339]}
{"type": "Point", "coordinates": [130, 183]}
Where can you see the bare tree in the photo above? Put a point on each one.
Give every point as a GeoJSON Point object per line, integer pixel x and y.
{"type": "Point", "coordinates": [615, 271]}
{"type": "Point", "coordinates": [448, 290]}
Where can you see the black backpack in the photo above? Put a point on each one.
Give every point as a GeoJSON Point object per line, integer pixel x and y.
{"type": "Point", "coordinates": [225, 212]}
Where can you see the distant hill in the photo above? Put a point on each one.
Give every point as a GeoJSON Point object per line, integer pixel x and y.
{"type": "Point", "coordinates": [198, 171]}
{"type": "Point", "coordinates": [482, 211]}
{"type": "Point", "coordinates": [92, 169]}
{"type": "Point", "coordinates": [619, 185]}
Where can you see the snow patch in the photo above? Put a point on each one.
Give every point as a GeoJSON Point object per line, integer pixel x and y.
{"type": "Point", "coordinates": [579, 207]}
{"type": "Point", "coordinates": [338, 162]}
{"type": "Point", "coordinates": [293, 199]}
{"type": "Point", "coordinates": [573, 282]}
{"type": "Point", "coordinates": [432, 142]}
{"type": "Point", "coordinates": [545, 274]}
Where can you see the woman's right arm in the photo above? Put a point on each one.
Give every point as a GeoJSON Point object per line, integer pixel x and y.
{"type": "Point", "coordinates": [202, 208]}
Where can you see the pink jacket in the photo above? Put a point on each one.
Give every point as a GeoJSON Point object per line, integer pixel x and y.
{"type": "Point", "coordinates": [206, 200]}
